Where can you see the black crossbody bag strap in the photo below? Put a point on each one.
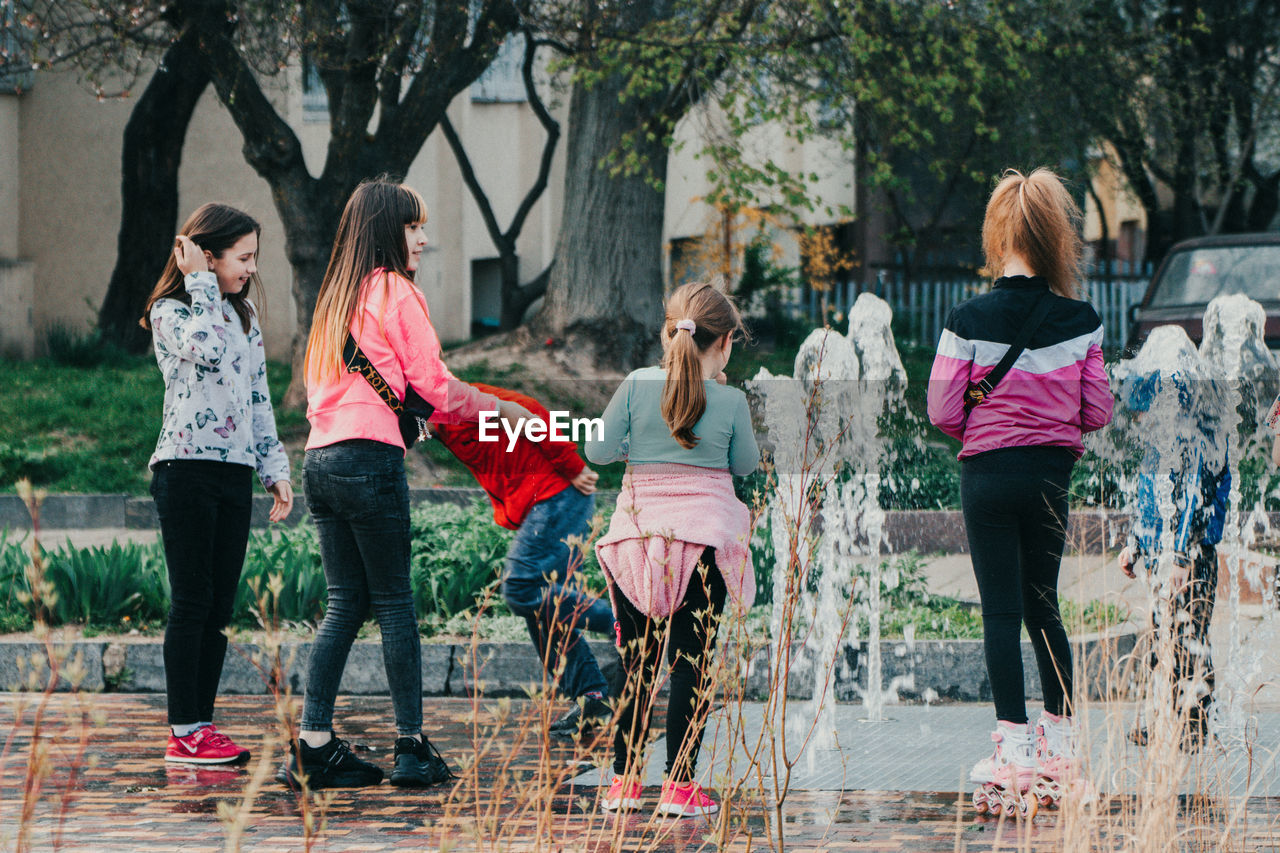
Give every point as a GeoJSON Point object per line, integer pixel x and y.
{"type": "Point", "coordinates": [357, 362]}
{"type": "Point", "coordinates": [412, 412]}
{"type": "Point", "coordinates": [980, 390]}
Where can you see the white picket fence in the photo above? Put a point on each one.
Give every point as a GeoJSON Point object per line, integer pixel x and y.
{"type": "Point", "coordinates": [920, 308]}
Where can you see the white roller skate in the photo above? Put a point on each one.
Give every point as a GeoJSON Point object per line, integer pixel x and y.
{"type": "Point", "coordinates": [1005, 777]}
{"type": "Point", "coordinates": [1057, 759]}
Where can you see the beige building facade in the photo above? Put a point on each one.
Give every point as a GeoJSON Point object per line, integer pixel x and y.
{"type": "Point", "coordinates": [60, 150]}
{"type": "Point", "coordinates": [1113, 214]}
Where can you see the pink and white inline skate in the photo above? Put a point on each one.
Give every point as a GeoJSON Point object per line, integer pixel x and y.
{"type": "Point", "coordinates": [1057, 759]}
{"type": "Point", "coordinates": [1006, 776]}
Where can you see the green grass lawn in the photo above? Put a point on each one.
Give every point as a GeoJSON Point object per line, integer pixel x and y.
{"type": "Point", "coordinates": [79, 429]}
{"type": "Point", "coordinates": [91, 429]}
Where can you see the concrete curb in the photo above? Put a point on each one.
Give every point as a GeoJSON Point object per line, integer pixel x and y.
{"type": "Point", "coordinates": [131, 512]}
{"type": "Point", "coordinates": [927, 531]}
{"type": "Point", "coordinates": [927, 670]}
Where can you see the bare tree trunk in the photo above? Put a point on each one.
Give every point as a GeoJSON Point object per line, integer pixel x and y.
{"type": "Point", "coordinates": [517, 297]}
{"type": "Point", "coordinates": [604, 298]}
{"type": "Point", "coordinates": [367, 81]}
{"type": "Point", "coordinates": [308, 242]}
{"type": "Point", "coordinates": [152, 155]}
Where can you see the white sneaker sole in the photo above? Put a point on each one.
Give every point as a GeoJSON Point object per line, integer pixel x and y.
{"type": "Point", "coordinates": [182, 759]}
{"type": "Point", "coordinates": [626, 804]}
{"type": "Point", "coordinates": [672, 810]}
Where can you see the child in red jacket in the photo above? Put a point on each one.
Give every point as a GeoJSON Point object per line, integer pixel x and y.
{"type": "Point", "coordinates": [545, 492]}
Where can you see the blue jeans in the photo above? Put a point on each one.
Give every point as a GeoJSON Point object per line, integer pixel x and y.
{"type": "Point", "coordinates": [555, 608]}
{"type": "Point", "coordinates": [358, 497]}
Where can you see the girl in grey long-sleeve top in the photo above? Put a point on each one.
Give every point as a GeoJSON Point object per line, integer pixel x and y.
{"type": "Point", "coordinates": [217, 430]}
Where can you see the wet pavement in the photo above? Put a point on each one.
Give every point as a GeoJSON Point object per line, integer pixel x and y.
{"type": "Point", "coordinates": [106, 788]}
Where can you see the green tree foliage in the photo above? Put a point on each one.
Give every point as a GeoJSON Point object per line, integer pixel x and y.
{"type": "Point", "coordinates": [1187, 97]}
{"type": "Point", "coordinates": [928, 100]}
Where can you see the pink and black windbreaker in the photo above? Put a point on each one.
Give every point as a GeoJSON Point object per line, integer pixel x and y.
{"type": "Point", "coordinates": [1055, 392]}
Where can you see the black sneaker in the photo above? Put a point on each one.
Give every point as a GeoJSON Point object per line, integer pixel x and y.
{"type": "Point", "coordinates": [582, 718]}
{"type": "Point", "coordinates": [418, 764]}
{"type": "Point", "coordinates": [333, 765]}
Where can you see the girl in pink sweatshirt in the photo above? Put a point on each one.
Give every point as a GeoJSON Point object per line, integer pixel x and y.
{"type": "Point", "coordinates": [1020, 443]}
{"type": "Point", "coordinates": [354, 480]}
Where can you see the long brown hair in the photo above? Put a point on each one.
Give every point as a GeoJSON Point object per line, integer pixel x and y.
{"type": "Point", "coordinates": [684, 397]}
{"type": "Point", "coordinates": [1035, 217]}
{"type": "Point", "coordinates": [213, 228]}
{"type": "Point", "coordinates": [370, 237]}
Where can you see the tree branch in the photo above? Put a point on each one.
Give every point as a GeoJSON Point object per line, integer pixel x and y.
{"type": "Point", "coordinates": [270, 145]}
{"type": "Point", "coordinates": [349, 119]}
{"type": "Point", "coordinates": [473, 183]}
{"type": "Point", "coordinates": [431, 91]}
{"type": "Point", "coordinates": [392, 76]}
{"type": "Point", "coordinates": [550, 125]}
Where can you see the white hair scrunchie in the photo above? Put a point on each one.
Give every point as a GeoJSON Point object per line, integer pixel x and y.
{"type": "Point", "coordinates": [688, 325]}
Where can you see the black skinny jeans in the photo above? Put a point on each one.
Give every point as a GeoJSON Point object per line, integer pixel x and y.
{"type": "Point", "coordinates": [357, 495]}
{"type": "Point", "coordinates": [204, 510]}
{"type": "Point", "coordinates": [1015, 514]}
{"type": "Point", "coordinates": [693, 638]}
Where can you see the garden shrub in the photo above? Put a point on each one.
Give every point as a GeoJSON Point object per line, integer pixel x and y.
{"type": "Point", "coordinates": [77, 347]}
{"type": "Point", "coordinates": [101, 585]}
{"type": "Point", "coordinates": [919, 475]}
{"type": "Point", "coordinates": [98, 586]}
{"type": "Point", "coordinates": [14, 614]}
{"type": "Point", "coordinates": [293, 555]}
{"type": "Point", "coordinates": [457, 554]}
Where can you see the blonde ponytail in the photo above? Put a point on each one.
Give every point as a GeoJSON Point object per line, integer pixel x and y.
{"type": "Point", "coordinates": [1035, 217]}
{"type": "Point", "coordinates": [697, 316]}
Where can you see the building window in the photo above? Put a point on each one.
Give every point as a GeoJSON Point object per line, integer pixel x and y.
{"type": "Point", "coordinates": [688, 260]}
{"type": "Point", "coordinates": [502, 82]}
{"type": "Point", "coordinates": [486, 296]}
{"type": "Point", "coordinates": [14, 53]}
{"type": "Point", "coordinates": [315, 100]}
{"type": "Point", "coordinates": [1127, 243]}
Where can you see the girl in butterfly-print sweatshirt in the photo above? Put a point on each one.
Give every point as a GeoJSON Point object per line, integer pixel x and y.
{"type": "Point", "coordinates": [217, 429]}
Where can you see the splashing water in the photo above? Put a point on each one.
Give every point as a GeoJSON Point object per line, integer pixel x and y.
{"type": "Point", "coordinates": [1206, 404]}
{"type": "Point", "coordinates": [824, 426]}
{"type": "Point", "coordinates": [1234, 350]}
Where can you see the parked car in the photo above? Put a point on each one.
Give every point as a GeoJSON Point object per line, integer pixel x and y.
{"type": "Point", "coordinates": [1195, 271]}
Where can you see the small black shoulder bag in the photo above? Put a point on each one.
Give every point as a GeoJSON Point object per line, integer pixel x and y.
{"type": "Point", "coordinates": [412, 412]}
{"type": "Point", "coordinates": [980, 390]}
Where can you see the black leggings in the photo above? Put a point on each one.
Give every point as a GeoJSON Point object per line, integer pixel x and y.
{"type": "Point", "coordinates": [1015, 514]}
{"type": "Point", "coordinates": [204, 510]}
{"type": "Point", "coordinates": [693, 638]}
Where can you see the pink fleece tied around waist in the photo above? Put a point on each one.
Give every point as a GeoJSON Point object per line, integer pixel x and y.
{"type": "Point", "coordinates": [667, 515]}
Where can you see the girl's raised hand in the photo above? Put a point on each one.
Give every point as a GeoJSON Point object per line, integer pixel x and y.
{"type": "Point", "coordinates": [282, 500]}
{"type": "Point", "coordinates": [188, 255]}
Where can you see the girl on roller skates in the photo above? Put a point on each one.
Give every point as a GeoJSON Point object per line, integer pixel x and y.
{"type": "Point", "coordinates": [1018, 378]}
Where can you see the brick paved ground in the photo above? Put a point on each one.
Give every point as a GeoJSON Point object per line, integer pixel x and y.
{"type": "Point", "coordinates": [513, 792]}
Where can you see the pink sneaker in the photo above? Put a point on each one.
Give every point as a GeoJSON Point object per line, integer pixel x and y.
{"type": "Point", "coordinates": [621, 796]}
{"type": "Point", "coordinates": [206, 745]}
{"type": "Point", "coordinates": [687, 800]}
